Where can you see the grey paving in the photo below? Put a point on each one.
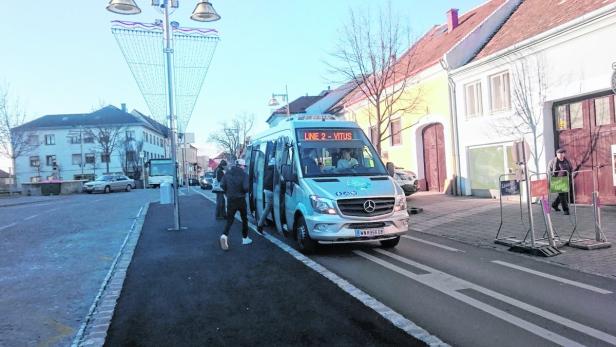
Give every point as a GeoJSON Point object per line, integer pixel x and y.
{"type": "Point", "coordinates": [53, 257]}
{"type": "Point", "coordinates": [475, 221]}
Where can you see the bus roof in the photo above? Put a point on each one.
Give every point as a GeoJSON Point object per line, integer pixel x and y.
{"type": "Point", "coordinates": [314, 122]}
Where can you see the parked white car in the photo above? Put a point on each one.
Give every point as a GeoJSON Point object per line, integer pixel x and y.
{"type": "Point", "coordinates": [407, 181]}
{"type": "Point", "coordinates": [109, 183]}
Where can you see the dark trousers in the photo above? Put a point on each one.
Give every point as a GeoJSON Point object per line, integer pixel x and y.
{"type": "Point", "coordinates": [234, 205]}
{"type": "Point", "coordinates": [563, 199]}
{"type": "Point", "coordinates": [220, 205]}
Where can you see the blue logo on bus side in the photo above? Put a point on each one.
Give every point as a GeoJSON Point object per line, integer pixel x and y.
{"type": "Point", "coordinates": [351, 193]}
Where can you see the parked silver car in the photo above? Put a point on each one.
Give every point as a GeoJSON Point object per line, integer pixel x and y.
{"type": "Point", "coordinates": [407, 181]}
{"type": "Point", "coordinates": [109, 183]}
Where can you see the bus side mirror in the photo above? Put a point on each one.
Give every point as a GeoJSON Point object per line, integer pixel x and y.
{"type": "Point", "coordinates": [391, 168]}
{"type": "Point", "coordinates": [287, 173]}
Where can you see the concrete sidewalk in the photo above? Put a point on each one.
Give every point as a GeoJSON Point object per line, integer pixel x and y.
{"type": "Point", "coordinates": [475, 221]}
{"type": "Point", "coordinates": [181, 289]}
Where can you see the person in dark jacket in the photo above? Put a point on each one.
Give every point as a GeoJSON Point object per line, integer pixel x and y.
{"type": "Point", "coordinates": [220, 194]}
{"type": "Point", "coordinates": [268, 187]}
{"type": "Point", "coordinates": [561, 167]}
{"type": "Point", "coordinates": [235, 185]}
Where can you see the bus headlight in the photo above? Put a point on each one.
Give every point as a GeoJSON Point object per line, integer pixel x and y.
{"type": "Point", "coordinates": [400, 203]}
{"type": "Point", "coordinates": [322, 205]}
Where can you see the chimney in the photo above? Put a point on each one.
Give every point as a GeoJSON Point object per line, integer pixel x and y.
{"type": "Point", "coordinates": [123, 107]}
{"type": "Point", "coordinates": [452, 19]}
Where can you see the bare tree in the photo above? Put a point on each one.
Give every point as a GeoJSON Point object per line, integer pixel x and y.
{"type": "Point", "coordinates": [374, 55]}
{"type": "Point", "coordinates": [16, 139]}
{"type": "Point", "coordinates": [233, 135]}
{"type": "Point", "coordinates": [528, 95]}
{"type": "Point", "coordinates": [108, 138]}
{"type": "Point", "coordinates": [129, 156]}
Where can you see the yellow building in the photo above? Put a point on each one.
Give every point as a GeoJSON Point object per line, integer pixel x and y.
{"type": "Point", "coordinates": [427, 143]}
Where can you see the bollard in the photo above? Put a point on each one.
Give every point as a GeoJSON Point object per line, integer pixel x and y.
{"type": "Point", "coordinates": [166, 194]}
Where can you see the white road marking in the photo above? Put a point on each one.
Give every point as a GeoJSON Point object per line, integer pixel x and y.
{"type": "Point", "coordinates": [449, 285]}
{"type": "Point", "coordinates": [433, 244]}
{"type": "Point", "coordinates": [8, 226]}
{"type": "Point", "coordinates": [385, 311]}
{"type": "Point", "coordinates": [32, 216]}
{"type": "Point", "coordinates": [552, 277]}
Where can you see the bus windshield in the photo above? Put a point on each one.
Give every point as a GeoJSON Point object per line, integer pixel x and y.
{"type": "Point", "coordinates": [161, 167]}
{"type": "Point", "coordinates": [337, 152]}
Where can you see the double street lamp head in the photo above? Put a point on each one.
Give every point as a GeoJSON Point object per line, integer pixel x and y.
{"type": "Point", "coordinates": [273, 102]}
{"type": "Point", "coordinates": [203, 12]}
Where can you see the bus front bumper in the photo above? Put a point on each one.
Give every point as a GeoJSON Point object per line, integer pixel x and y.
{"type": "Point", "coordinates": [328, 229]}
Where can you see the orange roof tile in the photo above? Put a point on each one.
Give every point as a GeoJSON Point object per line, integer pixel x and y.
{"type": "Point", "coordinates": [533, 17]}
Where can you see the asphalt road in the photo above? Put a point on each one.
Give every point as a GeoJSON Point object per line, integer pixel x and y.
{"type": "Point", "coordinates": [470, 296]}
{"type": "Point", "coordinates": [53, 257]}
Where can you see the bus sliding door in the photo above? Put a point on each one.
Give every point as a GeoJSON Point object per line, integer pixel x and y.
{"type": "Point", "coordinates": [279, 188]}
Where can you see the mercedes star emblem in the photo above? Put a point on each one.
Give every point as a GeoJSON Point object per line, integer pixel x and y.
{"type": "Point", "coordinates": [369, 206]}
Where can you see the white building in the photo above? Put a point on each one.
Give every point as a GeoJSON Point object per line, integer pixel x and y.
{"type": "Point", "coordinates": [69, 145]}
{"type": "Point", "coordinates": [553, 59]}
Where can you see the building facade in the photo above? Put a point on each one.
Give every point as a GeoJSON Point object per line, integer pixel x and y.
{"type": "Point", "coordinates": [545, 79]}
{"type": "Point", "coordinates": [83, 146]}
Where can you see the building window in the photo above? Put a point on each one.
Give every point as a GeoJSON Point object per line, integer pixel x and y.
{"type": "Point", "coordinates": [130, 134]}
{"type": "Point", "coordinates": [576, 116]}
{"type": "Point", "coordinates": [603, 115]}
{"type": "Point", "coordinates": [33, 140]}
{"type": "Point", "coordinates": [500, 97]}
{"type": "Point", "coordinates": [561, 118]}
{"type": "Point", "coordinates": [35, 161]}
{"type": "Point", "coordinates": [104, 158]}
{"type": "Point", "coordinates": [76, 159]}
{"type": "Point", "coordinates": [75, 139]}
{"type": "Point", "coordinates": [395, 132]}
{"type": "Point", "coordinates": [473, 99]}
{"type": "Point", "coordinates": [88, 139]}
{"type": "Point", "coordinates": [50, 160]}
{"type": "Point", "coordinates": [50, 139]}
{"type": "Point", "coordinates": [90, 158]}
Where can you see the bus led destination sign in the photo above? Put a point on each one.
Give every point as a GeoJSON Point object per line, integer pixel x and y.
{"type": "Point", "coordinates": [327, 135]}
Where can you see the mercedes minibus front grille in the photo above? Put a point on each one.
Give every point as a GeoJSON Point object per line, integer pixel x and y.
{"type": "Point", "coordinates": [357, 207]}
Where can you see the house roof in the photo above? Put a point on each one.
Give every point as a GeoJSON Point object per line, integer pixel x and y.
{"type": "Point", "coordinates": [4, 174]}
{"type": "Point", "coordinates": [533, 17]}
{"type": "Point", "coordinates": [296, 106]}
{"type": "Point", "coordinates": [431, 47]}
{"type": "Point", "coordinates": [109, 115]}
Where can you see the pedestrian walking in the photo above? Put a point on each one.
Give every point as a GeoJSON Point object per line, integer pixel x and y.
{"type": "Point", "coordinates": [220, 194]}
{"type": "Point", "coordinates": [561, 167]}
{"type": "Point", "coordinates": [235, 185]}
{"type": "Point", "coordinates": [268, 187]}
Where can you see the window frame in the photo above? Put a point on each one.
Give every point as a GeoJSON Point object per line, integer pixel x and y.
{"type": "Point", "coordinates": [37, 159]}
{"type": "Point", "coordinates": [73, 156]}
{"type": "Point", "coordinates": [507, 93]}
{"type": "Point", "coordinates": [50, 162]}
{"type": "Point", "coordinates": [50, 139]}
{"type": "Point", "coordinates": [477, 93]}
{"type": "Point", "coordinates": [392, 136]}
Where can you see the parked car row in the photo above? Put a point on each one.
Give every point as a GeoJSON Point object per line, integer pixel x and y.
{"type": "Point", "coordinates": [407, 181]}
{"type": "Point", "coordinates": [109, 183]}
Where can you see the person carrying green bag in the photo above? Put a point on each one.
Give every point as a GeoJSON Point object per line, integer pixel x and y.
{"type": "Point", "coordinates": [561, 167]}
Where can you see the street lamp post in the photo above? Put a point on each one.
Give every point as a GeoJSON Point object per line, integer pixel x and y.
{"type": "Point", "coordinates": [285, 97]}
{"type": "Point", "coordinates": [203, 12]}
{"type": "Point", "coordinates": [142, 158]}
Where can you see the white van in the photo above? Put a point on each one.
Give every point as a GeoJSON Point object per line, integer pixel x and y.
{"type": "Point", "coordinates": [330, 186]}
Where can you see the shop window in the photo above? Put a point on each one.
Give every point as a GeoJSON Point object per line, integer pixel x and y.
{"type": "Point", "coordinates": [487, 163]}
{"type": "Point", "coordinates": [473, 99]}
{"type": "Point", "coordinates": [576, 115]}
{"type": "Point", "coordinates": [602, 111]}
{"type": "Point", "coordinates": [500, 95]}
{"type": "Point", "coordinates": [561, 118]}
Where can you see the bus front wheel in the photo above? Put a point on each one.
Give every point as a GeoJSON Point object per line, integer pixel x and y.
{"type": "Point", "coordinates": [305, 244]}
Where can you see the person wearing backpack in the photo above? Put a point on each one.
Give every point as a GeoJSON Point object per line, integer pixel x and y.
{"type": "Point", "coordinates": [235, 185]}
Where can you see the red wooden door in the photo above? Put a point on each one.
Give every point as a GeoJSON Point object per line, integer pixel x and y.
{"type": "Point", "coordinates": [589, 146]}
{"type": "Point", "coordinates": [434, 157]}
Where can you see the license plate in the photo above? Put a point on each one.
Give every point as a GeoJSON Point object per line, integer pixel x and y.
{"type": "Point", "coordinates": [368, 232]}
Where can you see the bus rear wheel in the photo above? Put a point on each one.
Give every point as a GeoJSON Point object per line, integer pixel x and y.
{"type": "Point", "coordinates": [305, 244]}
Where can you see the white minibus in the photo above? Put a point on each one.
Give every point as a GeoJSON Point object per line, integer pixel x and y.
{"type": "Point", "coordinates": [330, 186]}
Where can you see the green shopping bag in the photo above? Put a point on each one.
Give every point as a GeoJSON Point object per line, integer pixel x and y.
{"type": "Point", "coordinates": [559, 184]}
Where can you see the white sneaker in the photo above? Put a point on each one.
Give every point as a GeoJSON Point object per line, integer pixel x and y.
{"type": "Point", "coordinates": [246, 241]}
{"type": "Point", "coordinates": [224, 244]}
